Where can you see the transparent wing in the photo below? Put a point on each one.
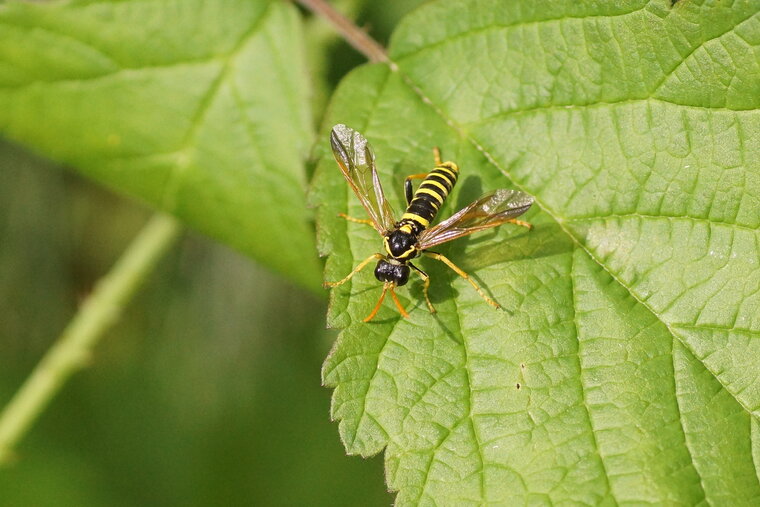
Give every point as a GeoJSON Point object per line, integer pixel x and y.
{"type": "Point", "coordinates": [357, 163]}
{"type": "Point", "coordinates": [490, 210]}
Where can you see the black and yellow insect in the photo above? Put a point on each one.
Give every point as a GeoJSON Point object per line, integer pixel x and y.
{"type": "Point", "coordinates": [412, 236]}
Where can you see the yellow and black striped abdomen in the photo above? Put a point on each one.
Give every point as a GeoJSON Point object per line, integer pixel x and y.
{"type": "Point", "coordinates": [430, 195]}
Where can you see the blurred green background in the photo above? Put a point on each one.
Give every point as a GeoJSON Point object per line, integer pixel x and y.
{"type": "Point", "coordinates": [207, 392]}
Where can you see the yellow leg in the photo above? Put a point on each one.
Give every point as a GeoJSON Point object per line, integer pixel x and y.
{"type": "Point", "coordinates": [426, 284]}
{"type": "Point", "coordinates": [387, 287]}
{"type": "Point", "coordinates": [377, 306]}
{"type": "Point", "coordinates": [437, 156]}
{"type": "Point", "coordinates": [358, 268]}
{"type": "Point", "coordinates": [520, 222]}
{"type": "Point", "coordinates": [440, 163]}
{"type": "Point", "coordinates": [357, 220]}
{"type": "Point", "coordinates": [398, 303]}
{"type": "Point", "coordinates": [464, 275]}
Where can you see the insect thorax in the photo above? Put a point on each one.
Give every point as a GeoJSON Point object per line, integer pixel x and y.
{"type": "Point", "coordinates": [401, 243]}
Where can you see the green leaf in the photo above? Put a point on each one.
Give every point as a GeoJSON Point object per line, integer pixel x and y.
{"type": "Point", "coordinates": [199, 108]}
{"type": "Point", "coordinates": [625, 368]}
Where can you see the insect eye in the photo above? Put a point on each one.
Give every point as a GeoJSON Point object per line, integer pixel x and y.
{"type": "Point", "coordinates": [384, 271]}
{"type": "Point", "coordinates": [402, 275]}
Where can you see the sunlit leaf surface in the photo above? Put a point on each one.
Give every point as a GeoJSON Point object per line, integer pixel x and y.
{"type": "Point", "coordinates": [625, 367]}
{"type": "Point", "coordinates": [197, 107]}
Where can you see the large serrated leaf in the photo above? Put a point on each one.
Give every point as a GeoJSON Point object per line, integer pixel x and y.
{"type": "Point", "coordinates": [200, 108]}
{"type": "Point", "coordinates": [625, 367]}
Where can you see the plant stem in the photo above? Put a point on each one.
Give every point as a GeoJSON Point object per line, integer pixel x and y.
{"type": "Point", "coordinates": [354, 35]}
{"type": "Point", "coordinates": [99, 311]}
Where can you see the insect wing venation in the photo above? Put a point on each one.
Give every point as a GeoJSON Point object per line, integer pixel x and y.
{"type": "Point", "coordinates": [490, 210]}
{"type": "Point", "coordinates": [357, 163]}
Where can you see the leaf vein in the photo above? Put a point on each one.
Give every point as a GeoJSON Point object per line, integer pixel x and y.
{"type": "Point", "coordinates": [696, 48]}
{"type": "Point", "coordinates": [508, 26]}
{"type": "Point", "coordinates": [584, 399]}
{"type": "Point", "coordinates": [646, 216]}
{"type": "Point", "coordinates": [171, 188]}
{"type": "Point", "coordinates": [549, 108]}
{"type": "Point", "coordinates": [675, 341]}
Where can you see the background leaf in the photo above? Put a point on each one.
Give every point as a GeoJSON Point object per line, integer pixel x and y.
{"type": "Point", "coordinates": [180, 103]}
{"type": "Point", "coordinates": [625, 368]}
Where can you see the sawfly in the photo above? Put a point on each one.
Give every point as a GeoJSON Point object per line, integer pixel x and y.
{"type": "Point", "coordinates": [412, 235]}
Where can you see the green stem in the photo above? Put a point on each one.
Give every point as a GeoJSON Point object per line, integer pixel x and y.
{"type": "Point", "coordinates": [72, 350]}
